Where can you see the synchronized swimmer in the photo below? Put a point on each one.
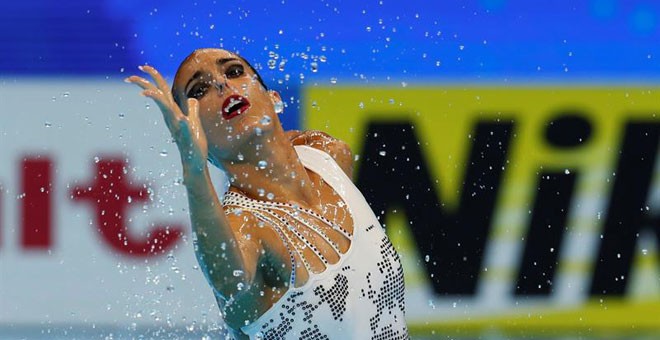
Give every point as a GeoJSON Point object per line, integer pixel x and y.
{"type": "Point", "coordinates": [292, 250]}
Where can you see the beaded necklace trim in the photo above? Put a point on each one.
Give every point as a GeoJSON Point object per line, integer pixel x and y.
{"type": "Point", "coordinates": [280, 215]}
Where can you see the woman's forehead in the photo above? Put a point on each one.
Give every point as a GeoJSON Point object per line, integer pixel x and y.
{"type": "Point", "coordinates": [202, 57]}
{"type": "Point", "coordinates": [211, 53]}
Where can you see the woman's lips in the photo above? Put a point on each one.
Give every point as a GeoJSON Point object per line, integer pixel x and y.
{"type": "Point", "coordinates": [234, 105]}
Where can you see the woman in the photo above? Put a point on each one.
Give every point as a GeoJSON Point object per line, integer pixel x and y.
{"type": "Point", "coordinates": [293, 251]}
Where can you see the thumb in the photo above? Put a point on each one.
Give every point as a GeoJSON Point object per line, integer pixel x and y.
{"type": "Point", "coordinates": [193, 108]}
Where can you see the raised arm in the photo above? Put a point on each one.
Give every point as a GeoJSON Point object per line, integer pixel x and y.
{"type": "Point", "coordinates": [226, 259]}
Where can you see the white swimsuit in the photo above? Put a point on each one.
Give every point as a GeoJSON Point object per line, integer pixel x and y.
{"type": "Point", "coordinates": [359, 297]}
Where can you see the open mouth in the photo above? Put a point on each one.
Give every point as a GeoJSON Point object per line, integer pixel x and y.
{"type": "Point", "coordinates": [234, 105]}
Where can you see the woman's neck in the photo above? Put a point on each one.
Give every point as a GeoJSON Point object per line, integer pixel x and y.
{"type": "Point", "coordinates": [268, 168]}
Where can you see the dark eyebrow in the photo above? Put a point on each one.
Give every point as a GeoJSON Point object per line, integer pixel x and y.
{"type": "Point", "coordinates": [222, 61]}
{"type": "Point", "coordinates": [195, 76]}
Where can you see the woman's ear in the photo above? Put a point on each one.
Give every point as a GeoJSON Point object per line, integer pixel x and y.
{"type": "Point", "coordinates": [274, 96]}
{"type": "Point", "coordinates": [278, 105]}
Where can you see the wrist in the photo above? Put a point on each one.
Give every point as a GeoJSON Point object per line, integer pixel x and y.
{"type": "Point", "coordinates": [195, 174]}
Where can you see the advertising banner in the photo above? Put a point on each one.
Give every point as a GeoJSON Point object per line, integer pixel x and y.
{"type": "Point", "coordinates": [513, 207]}
{"type": "Point", "coordinates": [94, 229]}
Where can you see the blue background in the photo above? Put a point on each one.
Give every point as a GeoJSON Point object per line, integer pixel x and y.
{"type": "Point", "coordinates": [366, 42]}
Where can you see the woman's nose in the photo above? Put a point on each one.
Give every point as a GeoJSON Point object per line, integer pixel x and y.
{"type": "Point", "coordinates": [219, 86]}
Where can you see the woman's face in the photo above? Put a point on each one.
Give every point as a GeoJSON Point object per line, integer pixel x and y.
{"type": "Point", "coordinates": [233, 106]}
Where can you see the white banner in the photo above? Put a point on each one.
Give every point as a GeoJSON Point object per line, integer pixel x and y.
{"type": "Point", "coordinates": [80, 159]}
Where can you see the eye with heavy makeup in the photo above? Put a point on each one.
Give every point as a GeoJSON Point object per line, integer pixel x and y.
{"type": "Point", "coordinates": [200, 88]}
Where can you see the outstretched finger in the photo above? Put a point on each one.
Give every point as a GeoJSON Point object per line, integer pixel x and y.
{"type": "Point", "coordinates": [160, 81]}
{"type": "Point", "coordinates": [141, 82]}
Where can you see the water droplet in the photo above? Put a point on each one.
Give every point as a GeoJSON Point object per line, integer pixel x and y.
{"type": "Point", "coordinates": [333, 80]}
{"type": "Point", "coordinates": [163, 153]}
{"type": "Point", "coordinates": [314, 66]}
{"type": "Point", "coordinates": [270, 196]}
{"type": "Point", "coordinates": [240, 156]}
{"type": "Point", "coordinates": [261, 192]}
{"type": "Point", "coordinates": [271, 64]}
{"type": "Point", "coordinates": [147, 106]}
{"type": "Point", "coordinates": [279, 107]}
{"type": "Point", "coordinates": [265, 120]}
{"type": "Point", "coordinates": [237, 273]}
{"type": "Point", "coordinates": [96, 159]}
{"type": "Point", "coordinates": [361, 105]}
{"type": "Point", "coordinates": [645, 251]}
{"type": "Point", "coordinates": [566, 171]}
{"type": "Point", "coordinates": [427, 258]}
{"type": "Point", "coordinates": [262, 164]}
{"type": "Point", "coordinates": [382, 153]}
{"type": "Point", "coordinates": [240, 286]}
{"type": "Point", "coordinates": [66, 94]}
{"type": "Point", "coordinates": [258, 131]}
{"type": "Point", "coordinates": [48, 124]}
{"type": "Point", "coordinates": [323, 59]}
{"type": "Point", "coordinates": [122, 115]}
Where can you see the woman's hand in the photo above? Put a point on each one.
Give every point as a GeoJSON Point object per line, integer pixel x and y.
{"type": "Point", "coordinates": [186, 129]}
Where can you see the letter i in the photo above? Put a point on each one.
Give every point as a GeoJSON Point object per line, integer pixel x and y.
{"type": "Point", "coordinates": [36, 214]}
{"type": "Point", "coordinates": [567, 132]}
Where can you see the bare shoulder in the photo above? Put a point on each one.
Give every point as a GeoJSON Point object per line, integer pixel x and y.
{"type": "Point", "coordinates": [339, 150]}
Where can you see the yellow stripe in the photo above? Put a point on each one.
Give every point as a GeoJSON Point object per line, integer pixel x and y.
{"type": "Point", "coordinates": [594, 317]}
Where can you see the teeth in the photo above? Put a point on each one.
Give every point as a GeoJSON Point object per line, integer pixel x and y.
{"type": "Point", "coordinates": [232, 102]}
